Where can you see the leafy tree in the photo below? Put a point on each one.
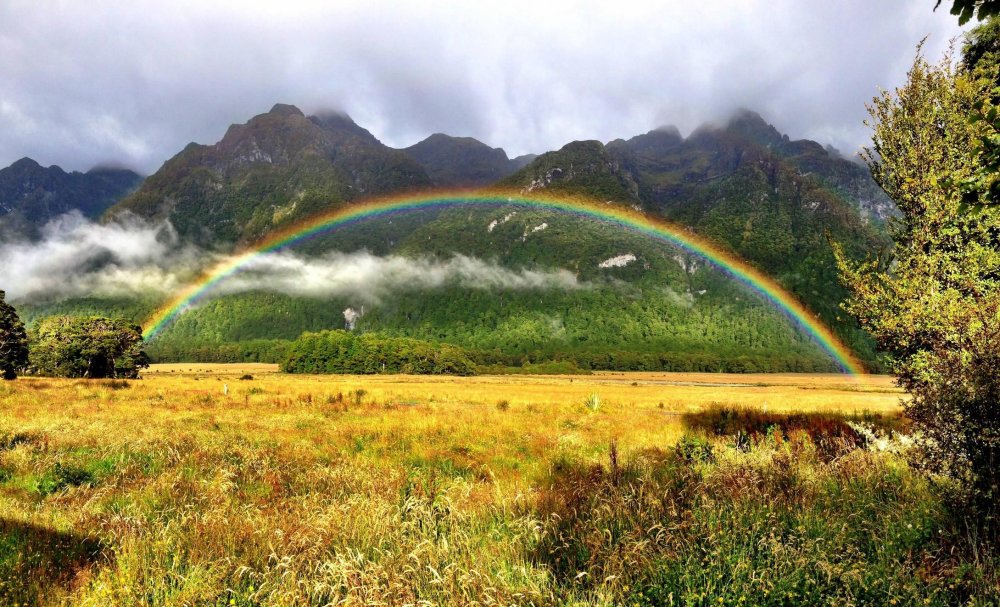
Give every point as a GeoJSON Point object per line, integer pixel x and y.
{"type": "Point", "coordinates": [92, 347]}
{"type": "Point", "coordinates": [934, 305]}
{"type": "Point", "coordinates": [13, 340]}
{"type": "Point", "coordinates": [981, 48]}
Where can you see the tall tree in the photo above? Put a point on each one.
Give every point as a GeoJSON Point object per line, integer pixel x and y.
{"type": "Point", "coordinates": [935, 304]}
{"type": "Point", "coordinates": [13, 340]}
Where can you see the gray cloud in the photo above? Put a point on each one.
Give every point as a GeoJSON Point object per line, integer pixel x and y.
{"type": "Point", "coordinates": [76, 257]}
{"type": "Point", "coordinates": [90, 82]}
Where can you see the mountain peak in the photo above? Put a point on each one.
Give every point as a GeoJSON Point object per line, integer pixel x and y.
{"type": "Point", "coordinates": [284, 109]}
{"type": "Point", "coordinates": [667, 129]}
{"type": "Point", "coordinates": [337, 121]}
{"type": "Point", "coordinates": [459, 161]}
{"type": "Point", "coordinates": [752, 125]}
{"type": "Point", "coordinates": [25, 163]}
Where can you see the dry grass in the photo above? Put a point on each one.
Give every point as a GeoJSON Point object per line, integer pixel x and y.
{"type": "Point", "coordinates": [679, 392]}
{"type": "Point", "coordinates": [195, 487]}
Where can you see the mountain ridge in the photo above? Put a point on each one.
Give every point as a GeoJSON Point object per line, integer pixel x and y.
{"type": "Point", "coordinates": [32, 195]}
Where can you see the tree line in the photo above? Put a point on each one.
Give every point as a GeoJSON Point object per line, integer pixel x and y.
{"type": "Point", "coordinates": [340, 351]}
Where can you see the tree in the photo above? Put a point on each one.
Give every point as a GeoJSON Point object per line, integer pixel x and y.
{"type": "Point", "coordinates": [91, 347]}
{"type": "Point", "coordinates": [13, 341]}
{"type": "Point", "coordinates": [934, 303]}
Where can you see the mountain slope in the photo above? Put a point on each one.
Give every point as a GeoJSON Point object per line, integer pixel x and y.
{"type": "Point", "coordinates": [32, 195]}
{"type": "Point", "coordinates": [581, 167]}
{"type": "Point", "coordinates": [777, 203]}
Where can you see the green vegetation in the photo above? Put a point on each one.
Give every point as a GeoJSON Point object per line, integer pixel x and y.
{"type": "Point", "coordinates": [966, 10]}
{"type": "Point", "coordinates": [935, 304]}
{"type": "Point", "coordinates": [91, 347]}
{"type": "Point", "coordinates": [13, 341]}
{"type": "Point", "coordinates": [346, 352]}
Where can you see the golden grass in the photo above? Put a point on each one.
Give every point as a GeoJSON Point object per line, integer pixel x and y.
{"type": "Point", "coordinates": [315, 489]}
{"type": "Point", "coordinates": [678, 392]}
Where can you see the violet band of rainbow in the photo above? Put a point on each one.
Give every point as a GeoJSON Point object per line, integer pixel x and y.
{"type": "Point", "coordinates": [626, 218]}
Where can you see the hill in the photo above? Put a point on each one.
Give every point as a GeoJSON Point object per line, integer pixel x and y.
{"type": "Point", "coordinates": [453, 162]}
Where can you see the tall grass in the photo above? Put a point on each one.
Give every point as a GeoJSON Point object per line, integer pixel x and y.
{"type": "Point", "coordinates": [319, 492]}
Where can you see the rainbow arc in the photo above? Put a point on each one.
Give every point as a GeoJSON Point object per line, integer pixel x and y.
{"type": "Point", "coordinates": [625, 218]}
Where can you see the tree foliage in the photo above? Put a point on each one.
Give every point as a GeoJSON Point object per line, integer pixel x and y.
{"type": "Point", "coordinates": [13, 341]}
{"type": "Point", "coordinates": [965, 10]}
{"type": "Point", "coordinates": [369, 353]}
{"type": "Point", "coordinates": [935, 304]}
{"type": "Point", "coordinates": [91, 347]}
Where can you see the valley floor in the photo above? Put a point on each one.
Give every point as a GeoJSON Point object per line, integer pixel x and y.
{"type": "Point", "coordinates": [678, 392]}
{"type": "Point", "coordinates": [193, 486]}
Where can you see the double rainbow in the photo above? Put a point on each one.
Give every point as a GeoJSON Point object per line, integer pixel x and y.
{"type": "Point", "coordinates": [626, 218]}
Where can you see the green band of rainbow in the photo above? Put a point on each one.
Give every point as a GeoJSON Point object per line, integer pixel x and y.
{"type": "Point", "coordinates": [614, 214]}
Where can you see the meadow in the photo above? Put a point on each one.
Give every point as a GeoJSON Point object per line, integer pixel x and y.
{"type": "Point", "coordinates": [238, 485]}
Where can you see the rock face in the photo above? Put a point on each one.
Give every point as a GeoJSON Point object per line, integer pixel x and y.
{"type": "Point", "coordinates": [277, 168]}
{"type": "Point", "coordinates": [31, 195]}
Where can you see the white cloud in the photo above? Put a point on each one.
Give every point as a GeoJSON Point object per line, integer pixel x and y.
{"type": "Point", "coordinates": [78, 258]}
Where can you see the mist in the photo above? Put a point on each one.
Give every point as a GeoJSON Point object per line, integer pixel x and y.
{"type": "Point", "coordinates": [78, 258]}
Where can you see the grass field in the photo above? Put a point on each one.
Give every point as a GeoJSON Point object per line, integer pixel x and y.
{"type": "Point", "coordinates": [195, 487]}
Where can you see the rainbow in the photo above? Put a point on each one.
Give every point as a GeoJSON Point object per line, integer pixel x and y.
{"type": "Point", "coordinates": [624, 217]}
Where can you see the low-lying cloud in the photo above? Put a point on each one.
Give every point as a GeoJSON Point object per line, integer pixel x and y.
{"type": "Point", "coordinates": [78, 258]}
{"type": "Point", "coordinates": [370, 277]}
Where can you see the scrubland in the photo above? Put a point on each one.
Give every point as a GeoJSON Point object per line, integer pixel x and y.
{"type": "Point", "coordinates": [193, 486]}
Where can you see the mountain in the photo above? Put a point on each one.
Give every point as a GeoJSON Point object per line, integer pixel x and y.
{"type": "Point", "coordinates": [31, 195]}
{"type": "Point", "coordinates": [462, 161]}
{"type": "Point", "coordinates": [775, 202]}
{"type": "Point", "coordinates": [581, 167]}
{"type": "Point", "coordinates": [271, 171]}
{"type": "Point", "coordinates": [642, 305]}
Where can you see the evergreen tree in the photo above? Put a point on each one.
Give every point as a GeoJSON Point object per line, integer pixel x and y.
{"type": "Point", "coordinates": [13, 341]}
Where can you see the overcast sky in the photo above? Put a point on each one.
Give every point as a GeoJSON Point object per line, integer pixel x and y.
{"type": "Point", "coordinates": [130, 83]}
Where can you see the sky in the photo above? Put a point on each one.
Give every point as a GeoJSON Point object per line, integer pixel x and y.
{"type": "Point", "coordinates": [131, 83]}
